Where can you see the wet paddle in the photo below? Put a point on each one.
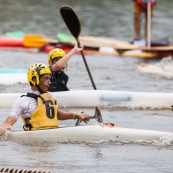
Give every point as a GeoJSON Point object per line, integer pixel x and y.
{"type": "Point", "coordinates": [73, 24]}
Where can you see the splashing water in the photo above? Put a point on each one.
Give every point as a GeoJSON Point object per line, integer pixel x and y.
{"type": "Point", "coordinates": [164, 68]}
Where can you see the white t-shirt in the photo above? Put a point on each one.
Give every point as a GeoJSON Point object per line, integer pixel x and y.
{"type": "Point", "coordinates": [24, 106]}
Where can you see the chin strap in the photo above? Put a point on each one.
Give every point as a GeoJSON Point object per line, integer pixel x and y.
{"type": "Point", "coordinates": [39, 89]}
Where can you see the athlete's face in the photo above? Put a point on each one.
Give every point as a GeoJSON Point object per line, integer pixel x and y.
{"type": "Point", "coordinates": [56, 60]}
{"type": "Point", "coordinates": [44, 82]}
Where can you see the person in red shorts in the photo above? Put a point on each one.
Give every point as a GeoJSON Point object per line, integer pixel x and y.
{"type": "Point", "coordinates": [139, 8]}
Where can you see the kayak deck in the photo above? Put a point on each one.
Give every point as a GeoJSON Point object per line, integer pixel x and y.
{"type": "Point", "coordinates": [102, 98]}
{"type": "Point", "coordinates": [87, 133]}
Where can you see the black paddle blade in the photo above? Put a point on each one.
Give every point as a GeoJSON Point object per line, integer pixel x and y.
{"type": "Point", "coordinates": [71, 20]}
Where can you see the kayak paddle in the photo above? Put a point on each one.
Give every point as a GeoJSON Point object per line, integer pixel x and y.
{"type": "Point", "coordinates": [97, 116]}
{"type": "Point", "coordinates": [73, 24]}
{"type": "Point", "coordinates": [36, 41]}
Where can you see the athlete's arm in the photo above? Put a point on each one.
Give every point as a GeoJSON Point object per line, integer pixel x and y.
{"type": "Point", "coordinates": [59, 65]}
{"type": "Point", "coordinates": [6, 125]}
{"type": "Point", "coordinates": [70, 115]}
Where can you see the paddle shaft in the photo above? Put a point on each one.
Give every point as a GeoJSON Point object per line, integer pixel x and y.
{"type": "Point", "coordinates": [86, 65]}
{"type": "Point", "coordinates": [97, 110]}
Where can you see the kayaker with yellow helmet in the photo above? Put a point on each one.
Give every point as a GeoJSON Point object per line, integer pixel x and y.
{"type": "Point", "coordinates": [38, 108]}
{"type": "Point", "coordinates": [57, 60]}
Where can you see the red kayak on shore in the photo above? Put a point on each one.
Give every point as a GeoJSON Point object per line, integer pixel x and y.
{"type": "Point", "coordinates": [11, 41]}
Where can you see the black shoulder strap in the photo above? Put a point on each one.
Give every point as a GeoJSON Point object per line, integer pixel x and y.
{"type": "Point", "coordinates": [32, 95]}
{"type": "Point", "coordinates": [35, 96]}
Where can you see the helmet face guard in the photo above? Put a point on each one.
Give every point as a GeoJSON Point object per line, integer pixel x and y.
{"type": "Point", "coordinates": [55, 53]}
{"type": "Point", "coordinates": [36, 71]}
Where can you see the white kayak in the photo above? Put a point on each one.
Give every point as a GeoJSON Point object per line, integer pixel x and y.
{"type": "Point", "coordinates": [102, 98]}
{"type": "Point", "coordinates": [88, 133]}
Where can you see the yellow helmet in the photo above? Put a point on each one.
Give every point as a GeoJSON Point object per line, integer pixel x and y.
{"type": "Point", "coordinates": [55, 53]}
{"type": "Point", "coordinates": [36, 71]}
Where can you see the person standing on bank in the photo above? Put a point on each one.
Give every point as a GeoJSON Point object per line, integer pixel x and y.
{"type": "Point", "coordinates": [57, 60]}
{"type": "Point", "coordinates": [38, 108]}
{"type": "Point", "coordinates": [139, 8]}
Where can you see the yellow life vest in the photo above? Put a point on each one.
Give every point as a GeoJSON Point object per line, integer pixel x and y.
{"type": "Point", "coordinates": [45, 116]}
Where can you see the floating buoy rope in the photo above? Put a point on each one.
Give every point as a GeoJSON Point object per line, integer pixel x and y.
{"type": "Point", "coordinates": [11, 170]}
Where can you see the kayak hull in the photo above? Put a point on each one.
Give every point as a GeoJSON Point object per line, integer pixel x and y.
{"type": "Point", "coordinates": [11, 41]}
{"type": "Point", "coordinates": [87, 133]}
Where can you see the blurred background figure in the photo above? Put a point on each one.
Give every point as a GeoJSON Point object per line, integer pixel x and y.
{"type": "Point", "coordinates": [140, 7]}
